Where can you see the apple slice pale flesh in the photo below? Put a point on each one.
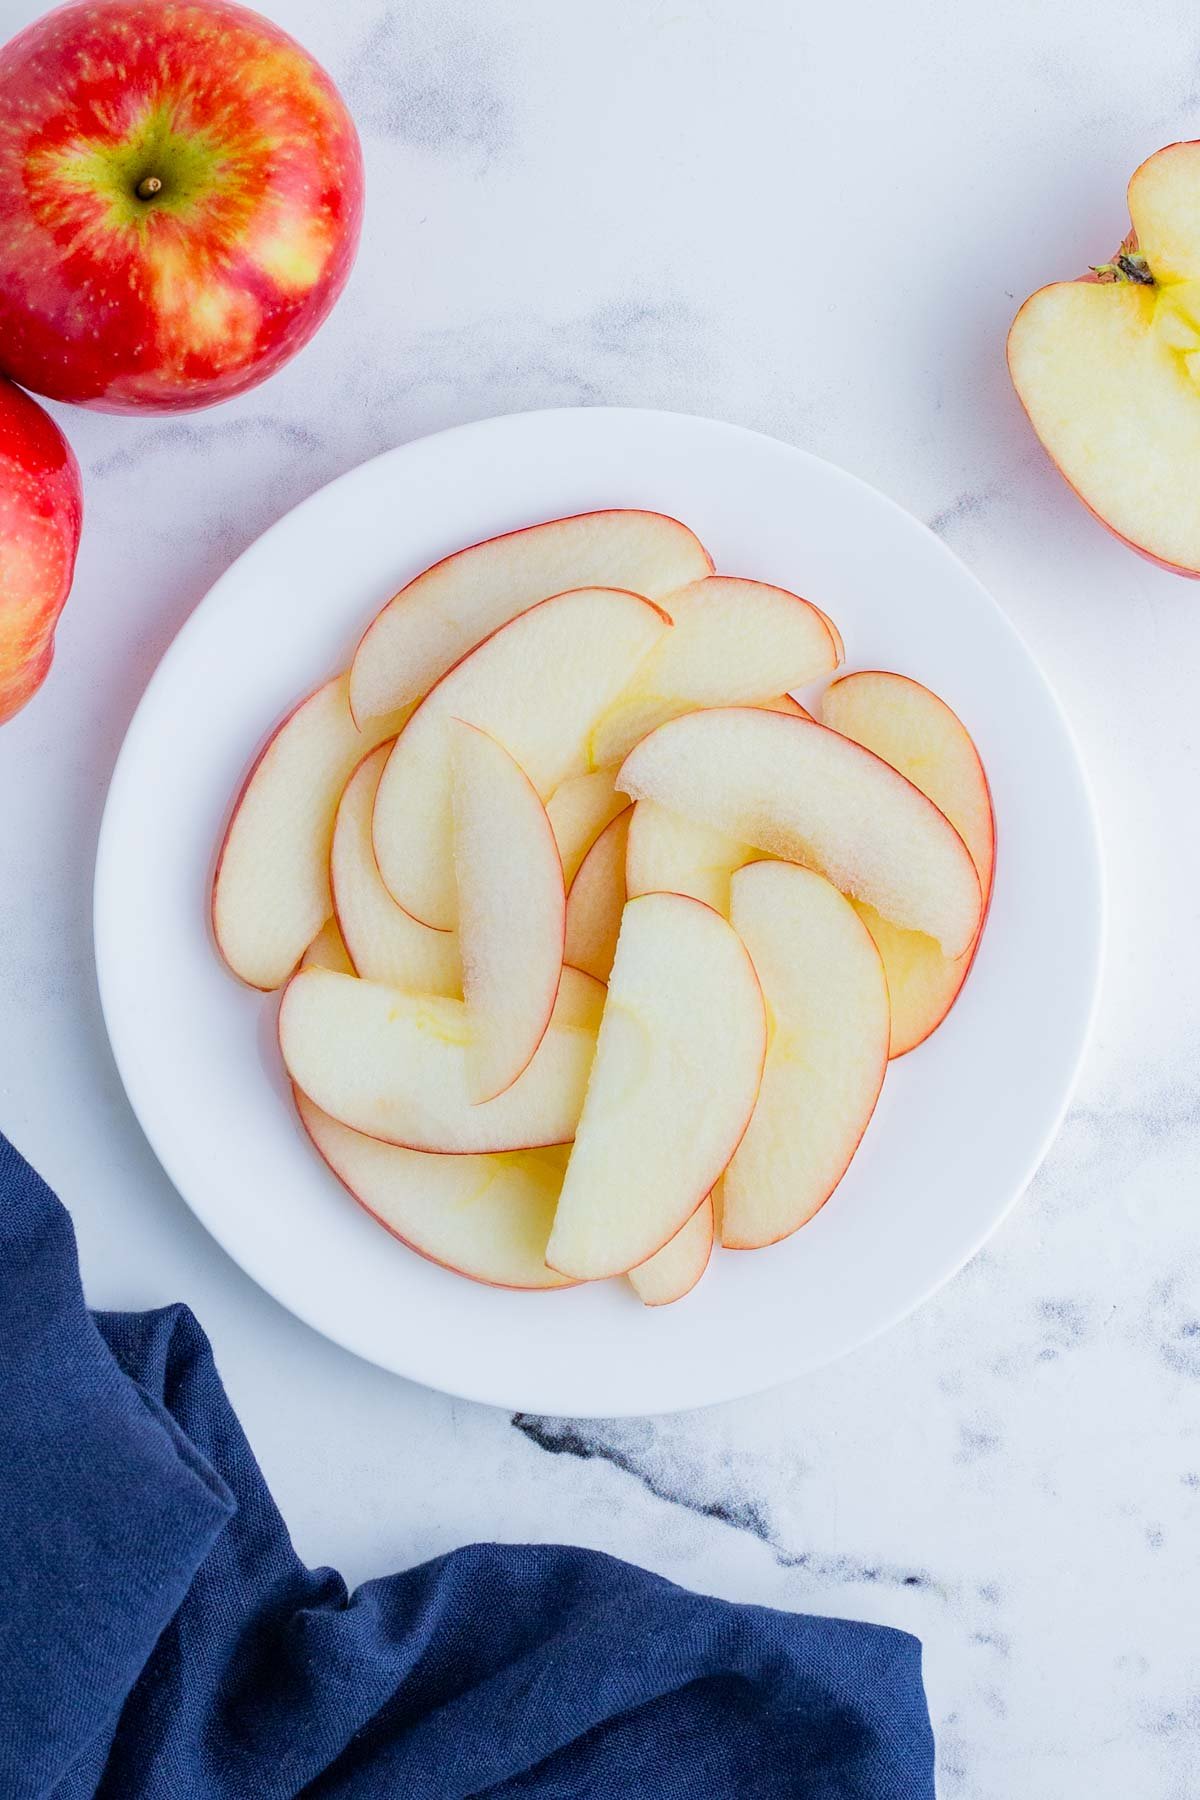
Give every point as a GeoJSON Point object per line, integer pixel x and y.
{"type": "Point", "coordinates": [827, 1001]}
{"type": "Point", "coordinates": [271, 889]}
{"type": "Point", "coordinates": [668, 854]}
{"type": "Point", "coordinates": [485, 1217]}
{"type": "Point", "coordinates": [734, 642]}
{"type": "Point", "coordinates": [802, 792]}
{"type": "Point", "coordinates": [1108, 369]}
{"type": "Point", "coordinates": [394, 1066]}
{"type": "Point", "coordinates": [579, 809]}
{"type": "Point", "coordinates": [674, 1270]}
{"type": "Point", "coordinates": [511, 909]}
{"type": "Point", "coordinates": [918, 734]}
{"type": "Point", "coordinates": [327, 951]}
{"type": "Point", "coordinates": [678, 1064]}
{"type": "Point", "coordinates": [384, 943]}
{"type": "Point", "coordinates": [596, 900]}
{"type": "Point", "coordinates": [434, 621]}
{"type": "Point", "coordinates": [537, 686]}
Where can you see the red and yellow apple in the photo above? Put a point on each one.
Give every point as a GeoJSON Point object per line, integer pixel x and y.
{"type": "Point", "coordinates": [41, 510]}
{"type": "Point", "coordinates": [181, 192]}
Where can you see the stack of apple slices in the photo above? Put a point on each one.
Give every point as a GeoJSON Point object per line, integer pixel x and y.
{"type": "Point", "coordinates": [594, 943]}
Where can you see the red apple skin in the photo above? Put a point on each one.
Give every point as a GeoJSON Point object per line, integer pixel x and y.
{"type": "Point", "coordinates": [201, 290]}
{"type": "Point", "coordinates": [41, 512]}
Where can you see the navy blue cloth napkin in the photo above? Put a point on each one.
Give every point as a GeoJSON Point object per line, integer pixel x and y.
{"type": "Point", "coordinates": [161, 1640]}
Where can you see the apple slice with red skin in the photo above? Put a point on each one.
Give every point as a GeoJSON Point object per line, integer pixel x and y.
{"type": "Point", "coordinates": [511, 909]}
{"type": "Point", "coordinates": [394, 1066]}
{"type": "Point", "coordinates": [1108, 369]}
{"type": "Point", "coordinates": [734, 643]}
{"type": "Point", "coordinates": [676, 1074]}
{"type": "Point", "coordinates": [485, 1217]}
{"type": "Point", "coordinates": [672, 1272]}
{"type": "Point", "coordinates": [431, 624]}
{"type": "Point", "coordinates": [802, 792]}
{"type": "Point", "coordinates": [537, 685]}
{"type": "Point", "coordinates": [579, 809]}
{"type": "Point", "coordinates": [383, 942]}
{"type": "Point", "coordinates": [827, 1000]}
{"type": "Point", "coordinates": [918, 734]}
{"type": "Point", "coordinates": [271, 892]}
{"type": "Point", "coordinates": [596, 900]}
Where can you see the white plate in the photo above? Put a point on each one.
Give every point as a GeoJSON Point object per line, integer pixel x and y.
{"type": "Point", "coordinates": [963, 1121]}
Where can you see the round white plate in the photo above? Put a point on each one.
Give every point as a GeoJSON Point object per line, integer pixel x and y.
{"type": "Point", "coordinates": [963, 1121]}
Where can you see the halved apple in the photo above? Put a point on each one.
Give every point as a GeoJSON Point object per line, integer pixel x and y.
{"type": "Point", "coordinates": [537, 686]}
{"type": "Point", "coordinates": [327, 951]}
{"type": "Point", "coordinates": [271, 888]}
{"type": "Point", "coordinates": [579, 809]}
{"type": "Point", "coordinates": [441, 615]}
{"type": "Point", "coordinates": [485, 1217]}
{"type": "Point", "coordinates": [384, 943]}
{"type": "Point", "coordinates": [827, 1001]}
{"type": "Point", "coordinates": [735, 643]}
{"type": "Point", "coordinates": [394, 1066]}
{"type": "Point", "coordinates": [918, 734]}
{"type": "Point", "coordinates": [511, 909]}
{"type": "Point", "coordinates": [800, 791]}
{"type": "Point", "coordinates": [678, 1063]}
{"type": "Point", "coordinates": [674, 1270]}
{"type": "Point", "coordinates": [596, 899]}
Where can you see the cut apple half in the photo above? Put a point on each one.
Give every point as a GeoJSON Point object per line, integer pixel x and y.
{"type": "Point", "coordinates": [596, 900]}
{"type": "Point", "coordinates": [734, 642]}
{"type": "Point", "coordinates": [673, 1271]}
{"type": "Point", "coordinates": [511, 909]}
{"type": "Point", "coordinates": [441, 615]}
{"type": "Point", "coordinates": [677, 1069]}
{"type": "Point", "coordinates": [485, 1217]}
{"type": "Point", "coordinates": [827, 1051]}
{"type": "Point", "coordinates": [271, 888]}
{"type": "Point", "coordinates": [579, 809]}
{"type": "Point", "coordinates": [918, 734]}
{"type": "Point", "coordinates": [384, 943]}
{"type": "Point", "coordinates": [327, 951]}
{"type": "Point", "coordinates": [802, 792]}
{"type": "Point", "coordinates": [537, 686]}
{"type": "Point", "coordinates": [394, 1066]}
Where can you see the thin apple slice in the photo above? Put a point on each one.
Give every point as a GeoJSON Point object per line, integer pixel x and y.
{"type": "Point", "coordinates": [803, 792]}
{"type": "Point", "coordinates": [674, 1270]}
{"type": "Point", "coordinates": [734, 643]}
{"type": "Point", "coordinates": [596, 899]}
{"type": "Point", "coordinates": [579, 809]}
{"type": "Point", "coordinates": [827, 1000]}
{"type": "Point", "coordinates": [918, 734]}
{"type": "Point", "coordinates": [537, 686]}
{"type": "Point", "coordinates": [485, 1217]}
{"type": "Point", "coordinates": [434, 621]}
{"type": "Point", "coordinates": [383, 942]}
{"type": "Point", "coordinates": [677, 1069]}
{"type": "Point", "coordinates": [668, 854]}
{"type": "Point", "coordinates": [327, 951]}
{"type": "Point", "coordinates": [271, 888]}
{"type": "Point", "coordinates": [394, 1066]}
{"type": "Point", "coordinates": [511, 909]}
{"type": "Point", "coordinates": [581, 1000]}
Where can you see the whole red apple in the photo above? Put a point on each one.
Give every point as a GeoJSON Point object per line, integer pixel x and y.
{"type": "Point", "coordinates": [41, 510]}
{"type": "Point", "coordinates": [180, 199]}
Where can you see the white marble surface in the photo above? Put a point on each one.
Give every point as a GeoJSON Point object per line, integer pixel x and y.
{"type": "Point", "coordinates": [815, 222]}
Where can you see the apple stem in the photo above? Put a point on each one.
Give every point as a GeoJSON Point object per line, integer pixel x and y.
{"type": "Point", "coordinates": [147, 187]}
{"type": "Point", "coordinates": [1126, 265]}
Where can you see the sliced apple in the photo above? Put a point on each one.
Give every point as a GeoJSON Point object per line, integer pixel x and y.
{"type": "Point", "coordinates": [537, 686]}
{"type": "Point", "coordinates": [511, 909]}
{"type": "Point", "coordinates": [581, 1000]}
{"type": "Point", "coordinates": [327, 951]}
{"type": "Point", "coordinates": [596, 900]}
{"type": "Point", "coordinates": [677, 1069]}
{"type": "Point", "coordinates": [444, 613]}
{"type": "Point", "coordinates": [674, 1270]}
{"type": "Point", "coordinates": [803, 792]}
{"type": "Point", "coordinates": [486, 1217]}
{"type": "Point", "coordinates": [734, 642]}
{"type": "Point", "coordinates": [394, 1065]}
{"type": "Point", "coordinates": [384, 943]}
{"type": "Point", "coordinates": [827, 1001]}
{"type": "Point", "coordinates": [918, 734]}
{"type": "Point", "coordinates": [668, 854]}
{"type": "Point", "coordinates": [579, 809]}
{"type": "Point", "coordinates": [271, 889]}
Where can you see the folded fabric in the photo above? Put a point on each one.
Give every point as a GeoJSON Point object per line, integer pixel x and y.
{"type": "Point", "coordinates": [161, 1640]}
